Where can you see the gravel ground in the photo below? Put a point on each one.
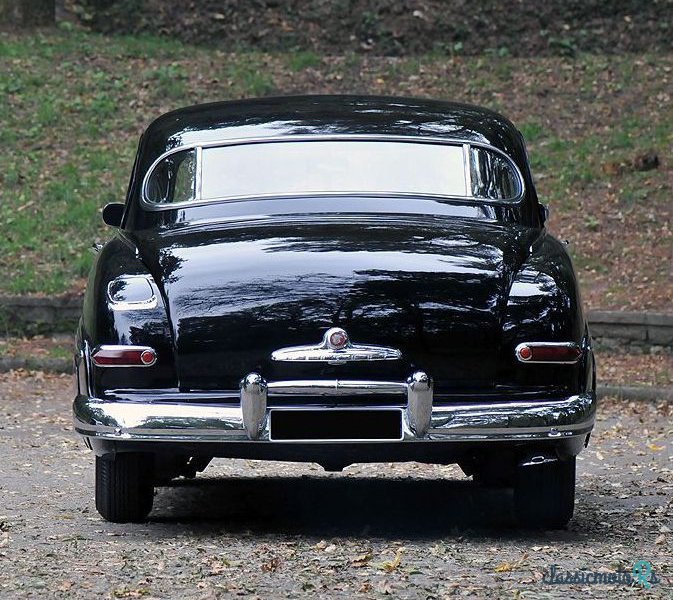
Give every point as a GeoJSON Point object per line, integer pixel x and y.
{"type": "Point", "coordinates": [257, 529]}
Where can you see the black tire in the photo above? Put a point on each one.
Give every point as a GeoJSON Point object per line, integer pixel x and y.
{"type": "Point", "coordinates": [544, 494]}
{"type": "Point", "coordinates": [124, 487]}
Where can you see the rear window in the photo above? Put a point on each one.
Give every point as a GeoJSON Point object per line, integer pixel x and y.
{"type": "Point", "coordinates": [173, 180]}
{"type": "Point", "coordinates": [331, 167]}
{"type": "Point", "coordinates": [492, 175]}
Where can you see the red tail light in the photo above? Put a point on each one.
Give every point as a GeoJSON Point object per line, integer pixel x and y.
{"type": "Point", "coordinates": [124, 356]}
{"type": "Point", "coordinates": [548, 352]}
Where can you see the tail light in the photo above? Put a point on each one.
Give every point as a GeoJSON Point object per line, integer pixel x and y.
{"type": "Point", "coordinates": [124, 356]}
{"type": "Point", "coordinates": [548, 352]}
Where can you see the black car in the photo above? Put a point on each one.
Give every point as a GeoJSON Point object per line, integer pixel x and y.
{"type": "Point", "coordinates": [334, 279]}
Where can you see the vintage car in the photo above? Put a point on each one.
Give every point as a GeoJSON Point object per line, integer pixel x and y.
{"type": "Point", "coordinates": [334, 279]}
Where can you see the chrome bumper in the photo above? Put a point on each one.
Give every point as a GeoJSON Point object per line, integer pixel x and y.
{"type": "Point", "coordinates": [421, 421]}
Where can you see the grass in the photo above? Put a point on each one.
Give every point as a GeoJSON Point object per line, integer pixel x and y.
{"type": "Point", "coordinates": [74, 105]}
{"type": "Point", "coordinates": [302, 59]}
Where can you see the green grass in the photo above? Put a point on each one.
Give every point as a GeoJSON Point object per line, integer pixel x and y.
{"type": "Point", "coordinates": [248, 76]}
{"type": "Point", "coordinates": [74, 105]}
{"type": "Point", "coordinates": [302, 59]}
{"type": "Point", "coordinates": [69, 128]}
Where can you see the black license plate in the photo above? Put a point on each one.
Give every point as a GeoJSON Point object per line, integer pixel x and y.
{"type": "Point", "coordinates": [335, 424]}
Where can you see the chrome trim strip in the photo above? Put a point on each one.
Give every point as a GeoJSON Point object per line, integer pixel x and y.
{"type": "Point", "coordinates": [148, 205]}
{"type": "Point", "coordinates": [529, 361]}
{"type": "Point", "coordinates": [122, 348]}
{"type": "Point", "coordinates": [145, 305]}
{"type": "Point", "coordinates": [198, 176]}
{"type": "Point", "coordinates": [468, 170]}
{"type": "Point", "coordinates": [325, 351]}
{"type": "Point", "coordinates": [335, 387]}
{"type": "Point", "coordinates": [340, 440]}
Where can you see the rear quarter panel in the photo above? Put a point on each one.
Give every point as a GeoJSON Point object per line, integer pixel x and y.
{"type": "Point", "coordinates": [100, 324]}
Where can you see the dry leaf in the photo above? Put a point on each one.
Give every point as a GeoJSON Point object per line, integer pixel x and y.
{"type": "Point", "coordinates": [390, 565]}
{"type": "Point", "coordinates": [217, 566]}
{"type": "Point", "coordinates": [271, 565]}
{"type": "Point", "coordinates": [507, 566]}
{"type": "Point", "coordinates": [130, 593]}
{"type": "Point", "coordinates": [361, 560]}
{"type": "Point", "coordinates": [655, 448]}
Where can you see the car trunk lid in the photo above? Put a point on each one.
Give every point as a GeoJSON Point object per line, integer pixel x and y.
{"type": "Point", "coordinates": [433, 289]}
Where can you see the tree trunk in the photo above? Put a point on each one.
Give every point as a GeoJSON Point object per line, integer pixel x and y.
{"type": "Point", "coordinates": [27, 13]}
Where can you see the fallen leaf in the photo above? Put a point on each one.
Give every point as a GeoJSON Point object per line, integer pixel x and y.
{"type": "Point", "coordinates": [361, 560]}
{"type": "Point", "coordinates": [507, 566]}
{"type": "Point", "coordinates": [271, 565]}
{"type": "Point", "coordinates": [218, 566]}
{"type": "Point", "coordinates": [390, 565]}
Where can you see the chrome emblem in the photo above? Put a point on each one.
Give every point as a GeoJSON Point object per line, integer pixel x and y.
{"type": "Point", "coordinates": [336, 338]}
{"type": "Point", "coordinates": [335, 348]}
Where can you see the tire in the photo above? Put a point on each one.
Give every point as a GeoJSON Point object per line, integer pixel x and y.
{"type": "Point", "coordinates": [124, 487]}
{"type": "Point", "coordinates": [544, 494]}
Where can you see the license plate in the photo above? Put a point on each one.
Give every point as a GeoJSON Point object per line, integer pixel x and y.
{"type": "Point", "coordinates": [299, 425]}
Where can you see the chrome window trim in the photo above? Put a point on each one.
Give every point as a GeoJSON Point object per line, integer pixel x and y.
{"type": "Point", "coordinates": [198, 176]}
{"type": "Point", "coordinates": [468, 171]}
{"type": "Point", "coordinates": [199, 146]}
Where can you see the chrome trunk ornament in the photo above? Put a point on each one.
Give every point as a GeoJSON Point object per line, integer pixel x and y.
{"type": "Point", "coordinates": [335, 347]}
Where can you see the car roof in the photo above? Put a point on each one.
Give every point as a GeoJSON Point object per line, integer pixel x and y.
{"type": "Point", "coordinates": [329, 114]}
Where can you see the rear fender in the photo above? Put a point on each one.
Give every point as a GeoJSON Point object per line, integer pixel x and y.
{"type": "Point", "coordinates": [123, 306]}
{"type": "Point", "coordinates": [544, 305]}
